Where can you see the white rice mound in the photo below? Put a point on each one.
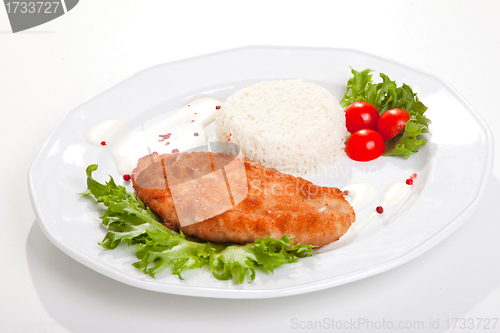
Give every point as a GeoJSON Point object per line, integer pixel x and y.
{"type": "Point", "coordinates": [289, 125]}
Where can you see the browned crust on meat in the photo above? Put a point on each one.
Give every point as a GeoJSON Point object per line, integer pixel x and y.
{"type": "Point", "coordinates": [276, 204]}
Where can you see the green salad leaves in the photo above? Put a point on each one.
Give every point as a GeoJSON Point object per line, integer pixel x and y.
{"type": "Point", "coordinates": [387, 95]}
{"type": "Point", "coordinates": [128, 220]}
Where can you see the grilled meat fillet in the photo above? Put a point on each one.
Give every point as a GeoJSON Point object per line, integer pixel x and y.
{"type": "Point", "coordinates": [276, 203]}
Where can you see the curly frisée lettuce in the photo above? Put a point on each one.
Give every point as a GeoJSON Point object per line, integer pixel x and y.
{"type": "Point", "coordinates": [128, 220]}
{"type": "Point", "coordinates": [387, 95]}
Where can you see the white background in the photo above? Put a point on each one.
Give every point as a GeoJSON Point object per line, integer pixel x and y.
{"type": "Point", "coordinates": [47, 70]}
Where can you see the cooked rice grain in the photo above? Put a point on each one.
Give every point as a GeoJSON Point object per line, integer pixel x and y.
{"type": "Point", "coordinates": [292, 126]}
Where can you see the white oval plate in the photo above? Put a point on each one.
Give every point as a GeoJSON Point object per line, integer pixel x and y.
{"type": "Point", "coordinates": [452, 169]}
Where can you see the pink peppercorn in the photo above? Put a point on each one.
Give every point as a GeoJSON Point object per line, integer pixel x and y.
{"type": "Point", "coordinates": [103, 143]}
{"type": "Point", "coordinates": [409, 181]}
{"type": "Point", "coordinates": [126, 177]}
{"type": "Point", "coordinates": [380, 209]}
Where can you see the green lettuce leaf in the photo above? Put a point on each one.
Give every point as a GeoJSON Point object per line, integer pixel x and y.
{"type": "Point", "coordinates": [129, 221]}
{"type": "Point", "coordinates": [387, 95]}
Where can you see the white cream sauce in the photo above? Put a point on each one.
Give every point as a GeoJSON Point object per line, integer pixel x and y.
{"type": "Point", "coordinates": [363, 194]}
{"type": "Point", "coordinates": [394, 194]}
{"type": "Point", "coordinates": [128, 145]}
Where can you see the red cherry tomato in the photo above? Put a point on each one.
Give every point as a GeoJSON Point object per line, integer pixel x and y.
{"type": "Point", "coordinates": [391, 122]}
{"type": "Point", "coordinates": [365, 145]}
{"type": "Point", "coordinates": [361, 115]}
